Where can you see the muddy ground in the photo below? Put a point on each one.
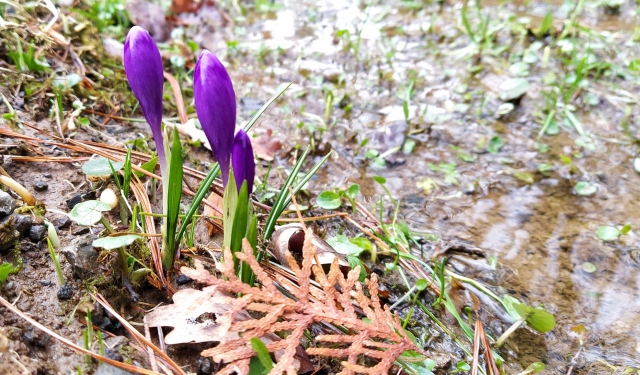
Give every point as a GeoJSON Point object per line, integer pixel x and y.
{"type": "Point", "coordinates": [511, 215]}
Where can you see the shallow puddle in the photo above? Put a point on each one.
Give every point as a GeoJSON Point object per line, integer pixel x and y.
{"type": "Point", "coordinates": [539, 231]}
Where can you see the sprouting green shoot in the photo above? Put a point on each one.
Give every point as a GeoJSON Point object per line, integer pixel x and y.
{"type": "Point", "coordinates": [56, 263]}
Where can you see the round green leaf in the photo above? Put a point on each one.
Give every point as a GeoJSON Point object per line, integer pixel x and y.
{"type": "Point", "coordinates": [379, 179]}
{"type": "Point", "coordinates": [585, 188]}
{"type": "Point", "coordinates": [513, 88]}
{"type": "Point", "coordinates": [536, 367]}
{"type": "Point", "coordinates": [588, 267]}
{"type": "Point", "coordinates": [519, 69]}
{"type": "Point", "coordinates": [89, 212]}
{"type": "Point", "coordinates": [109, 243]}
{"type": "Point", "coordinates": [537, 319]}
{"type": "Point", "coordinates": [328, 200]}
{"type": "Point", "coordinates": [421, 284]}
{"type": "Point", "coordinates": [362, 243]}
{"type": "Point", "coordinates": [607, 233]}
{"type": "Point", "coordinates": [505, 108]}
{"type": "Point", "coordinates": [463, 366]}
{"type": "Point", "coordinates": [100, 167]}
{"type": "Point", "coordinates": [495, 144]}
{"type": "Point", "coordinates": [541, 321]}
{"type": "Point", "coordinates": [353, 191]}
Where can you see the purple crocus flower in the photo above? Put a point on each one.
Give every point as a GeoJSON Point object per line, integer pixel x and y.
{"type": "Point", "coordinates": [216, 107]}
{"type": "Point", "coordinates": [244, 167]}
{"type": "Point", "coordinates": [143, 66]}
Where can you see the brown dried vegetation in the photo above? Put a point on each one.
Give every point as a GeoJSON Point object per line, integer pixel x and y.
{"type": "Point", "coordinates": [369, 347]}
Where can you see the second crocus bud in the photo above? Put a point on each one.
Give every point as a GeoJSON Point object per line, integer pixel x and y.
{"type": "Point", "coordinates": [244, 166]}
{"type": "Point", "coordinates": [143, 67]}
{"type": "Point", "coordinates": [216, 107]}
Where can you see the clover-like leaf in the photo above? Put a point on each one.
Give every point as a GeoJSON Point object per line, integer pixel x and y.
{"type": "Point", "coordinates": [89, 212]}
{"type": "Point", "coordinates": [328, 200]}
{"type": "Point", "coordinates": [109, 243]}
{"type": "Point", "coordinates": [100, 167]}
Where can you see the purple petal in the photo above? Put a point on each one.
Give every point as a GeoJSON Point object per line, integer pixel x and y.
{"type": "Point", "coordinates": [143, 66]}
{"type": "Point", "coordinates": [216, 107]}
{"type": "Point", "coordinates": [244, 167]}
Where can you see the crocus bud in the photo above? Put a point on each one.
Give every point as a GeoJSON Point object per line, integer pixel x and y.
{"type": "Point", "coordinates": [216, 107]}
{"type": "Point", "coordinates": [244, 166]}
{"type": "Point", "coordinates": [143, 66]}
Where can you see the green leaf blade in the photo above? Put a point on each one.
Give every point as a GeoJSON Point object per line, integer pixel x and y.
{"type": "Point", "coordinates": [110, 243]}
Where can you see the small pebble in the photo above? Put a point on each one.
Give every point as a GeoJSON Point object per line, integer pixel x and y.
{"type": "Point", "coordinates": [204, 366]}
{"type": "Point", "coordinates": [40, 185]}
{"type": "Point", "coordinates": [73, 201]}
{"type": "Point", "coordinates": [112, 354]}
{"type": "Point", "coordinates": [65, 292]}
{"type": "Point", "coordinates": [81, 230]}
{"type": "Point", "coordinates": [7, 204]}
{"type": "Point", "coordinates": [106, 324]}
{"type": "Point", "coordinates": [183, 279]}
{"type": "Point", "coordinates": [62, 222]}
{"type": "Point", "coordinates": [22, 224]}
{"type": "Point", "coordinates": [46, 175]}
{"type": "Point", "coordinates": [36, 337]}
{"type": "Point", "coordinates": [38, 233]}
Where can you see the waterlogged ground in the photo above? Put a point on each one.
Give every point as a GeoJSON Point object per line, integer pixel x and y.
{"type": "Point", "coordinates": [507, 190]}
{"type": "Point", "coordinates": [514, 186]}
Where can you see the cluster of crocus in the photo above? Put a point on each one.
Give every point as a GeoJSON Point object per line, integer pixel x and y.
{"type": "Point", "coordinates": [215, 104]}
{"type": "Point", "coordinates": [214, 98]}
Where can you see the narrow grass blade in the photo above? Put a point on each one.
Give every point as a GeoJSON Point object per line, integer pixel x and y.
{"type": "Point", "coordinates": [264, 107]}
{"type": "Point", "coordinates": [283, 199]}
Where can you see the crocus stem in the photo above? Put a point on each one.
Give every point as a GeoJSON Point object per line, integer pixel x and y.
{"type": "Point", "coordinates": [160, 149]}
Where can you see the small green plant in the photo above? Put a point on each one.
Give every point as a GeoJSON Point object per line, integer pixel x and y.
{"type": "Point", "coordinates": [5, 271]}
{"type": "Point", "coordinates": [451, 174]}
{"type": "Point", "coordinates": [56, 263]}
{"type": "Point", "coordinates": [26, 61]}
{"type": "Point", "coordinates": [419, 286]}
{"type": "Point", "coordinates": [332, 199]}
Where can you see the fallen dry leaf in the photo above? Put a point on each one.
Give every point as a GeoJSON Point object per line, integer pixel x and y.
{"type": "Point", "coordinates": [265, 146]}
{"type": "Point", "coordinates": [189, 305]}
{"type": "Point", "coordinates": [213, 225]}
{"type": "Point", "coordinates": [185, 6]}
{"type": "Point", "coordinates": [189, 129]}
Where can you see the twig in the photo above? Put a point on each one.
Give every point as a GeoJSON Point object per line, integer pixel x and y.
{"type": "Point", "coordinates": [574, 360]}
{"type": "Point", "coordinates": [152, 357]}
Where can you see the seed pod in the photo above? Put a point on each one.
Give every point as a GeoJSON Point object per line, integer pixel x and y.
{"type": "Point", "coordinates": [109, 197]}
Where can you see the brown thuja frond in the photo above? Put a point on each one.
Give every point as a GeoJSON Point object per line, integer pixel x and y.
{"type": "Point", "coordinates": [370, 347]}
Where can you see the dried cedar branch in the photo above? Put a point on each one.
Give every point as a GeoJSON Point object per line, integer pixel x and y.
{"type": "Point", "coordinates": [379, 342]}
